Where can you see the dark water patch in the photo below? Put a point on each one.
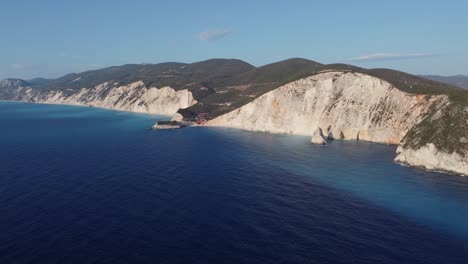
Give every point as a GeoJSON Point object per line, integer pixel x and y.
{"type": "Point", "coordinates": [89, 185]}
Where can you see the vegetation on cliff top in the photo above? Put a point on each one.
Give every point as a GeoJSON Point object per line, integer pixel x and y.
{"type": "Point", "coordinates": [445, 126]}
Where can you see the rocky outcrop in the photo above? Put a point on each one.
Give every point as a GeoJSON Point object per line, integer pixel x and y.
{"type": "Point", "coordinates": [347, 106]}
{"type": "Point", "coordinates": [439, 141]}
{"type": "Point", "coordinates": [134, 97]}
{"type": "Point", "coordinates": [431, 158]}
{"type": "Point", "coordinates": [340, 105]}
{"type": "Point", "coordinates": [318, 137]}
{"type": "Point", "coordinates": [167, 125]}
{"type": "Point", "coordinates": [177, 117]}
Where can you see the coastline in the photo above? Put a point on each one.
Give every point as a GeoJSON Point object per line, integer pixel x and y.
{"type": "Point", "coordinates": [85, 106]}
{"type": "Point", "coordinates": [403, 163]}
{"type": "Point", "coordinates": [417, 166]}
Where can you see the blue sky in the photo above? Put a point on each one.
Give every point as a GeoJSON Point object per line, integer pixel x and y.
{"type": "Point", "coordinates": [50, 38]}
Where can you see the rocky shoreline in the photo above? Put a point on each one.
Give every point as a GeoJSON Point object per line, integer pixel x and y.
{"type": "Point", "coordinates": [431, 129]}
{"type": "Point", "coordinates": [331, 106]}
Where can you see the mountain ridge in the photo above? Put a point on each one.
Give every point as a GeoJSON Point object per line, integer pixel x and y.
{"type": "Point", "coordinates": [221, 85]}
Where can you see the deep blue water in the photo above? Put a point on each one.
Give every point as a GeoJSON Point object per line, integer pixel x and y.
{"type": "Point", "coordinates": [86, 185]}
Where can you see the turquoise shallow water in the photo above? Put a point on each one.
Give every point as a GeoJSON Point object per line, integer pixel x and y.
{"type": "Point", "coordinates": [85, 185]}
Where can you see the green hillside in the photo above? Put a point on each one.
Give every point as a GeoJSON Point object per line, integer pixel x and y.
{"type": "Point", "coordinates": [238, 90]}
{"type": "Point", "coordinates": [222, 85]}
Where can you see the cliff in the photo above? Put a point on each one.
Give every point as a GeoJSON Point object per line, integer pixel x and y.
{"type": "Point", "coordinates": [351, 106]}
{"type": "Point", "coordinates": [134, 97]}
{"type": "Point", "coordinates": [340, 105]}
{"type": "Point", "coordinates": [440, 141]}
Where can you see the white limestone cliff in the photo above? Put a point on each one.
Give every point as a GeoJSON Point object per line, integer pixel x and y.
{"type": "Point", "coordinates": [348, 106]}
{"type": "Point", "coordinates": [430, 158]}
{"type": "Point", "coordinates": [134, 97]}
{"type": "Point", "coordinates": [341, 105]}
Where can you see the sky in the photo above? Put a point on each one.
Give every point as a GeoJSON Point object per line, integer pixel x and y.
{"type": "Point", "coordinates": [50, 38]}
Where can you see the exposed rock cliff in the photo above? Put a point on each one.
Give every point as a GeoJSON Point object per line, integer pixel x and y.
{"type": "Point", "coordinates": [336, 104]}
{"type": "Point", "coordinates": [134, 97]}
{"type": "Point", "coordinates": [440, 141]}
{"type": "Point", "coordinates": [340, 105]}
{"type": "Point", "coordinates": [431, 158]}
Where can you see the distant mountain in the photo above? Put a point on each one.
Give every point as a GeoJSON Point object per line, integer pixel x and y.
{"type": "Point", "coordinates": [37, 81]}
{"type": "Point", "coordinates": [457, 80]}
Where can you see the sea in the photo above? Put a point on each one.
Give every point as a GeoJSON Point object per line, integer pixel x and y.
{"type": "Point", "coordinates": [89, 185]}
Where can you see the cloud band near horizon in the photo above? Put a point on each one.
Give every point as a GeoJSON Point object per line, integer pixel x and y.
{"type": "Point", "coordinates": [390, 56]}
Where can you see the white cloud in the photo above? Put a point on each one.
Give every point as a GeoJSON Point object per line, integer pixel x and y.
{"type": "Point", "coordinates": [20, 66]}
{"type": "Point", "coordinates": [214, 34]}
{"type": "Point", "coordinates": [389, 56]}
